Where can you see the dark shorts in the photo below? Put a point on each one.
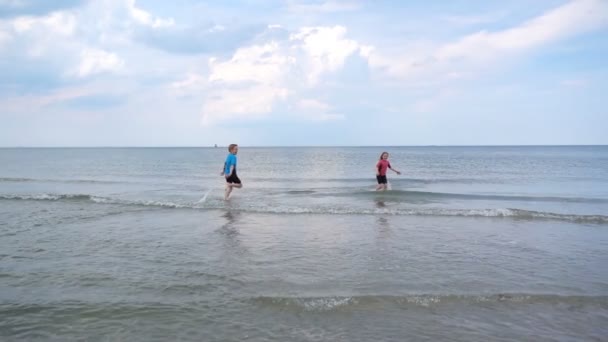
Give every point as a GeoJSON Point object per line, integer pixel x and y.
{"type": "Point", "coordinates": [381, 179]}
{"type": "Point", "coordinates": [233, 179]}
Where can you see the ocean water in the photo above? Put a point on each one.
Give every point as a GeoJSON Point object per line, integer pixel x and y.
{"type": "Point", "coordinates": [470, 244]}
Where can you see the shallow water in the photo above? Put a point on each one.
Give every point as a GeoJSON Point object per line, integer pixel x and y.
{"type": "Point", "coordinates": [118, 244]}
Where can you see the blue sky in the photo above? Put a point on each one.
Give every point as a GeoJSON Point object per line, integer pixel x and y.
{"type": "Point", "coordinates": [324, 72]}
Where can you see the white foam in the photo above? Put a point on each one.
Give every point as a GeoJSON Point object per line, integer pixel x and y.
{"type": "Point", "coordinates": [204, 198]}
{"type": "Point", "coordinates": [490, 213]}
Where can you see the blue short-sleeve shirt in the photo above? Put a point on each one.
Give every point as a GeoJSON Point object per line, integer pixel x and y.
{"type": "Point", "coordinates": [230, 161]}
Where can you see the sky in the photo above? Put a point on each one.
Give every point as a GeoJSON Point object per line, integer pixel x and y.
{"type": "Point", "coordinates": [292, 73]}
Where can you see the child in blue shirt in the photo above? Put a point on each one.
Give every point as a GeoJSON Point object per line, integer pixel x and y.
{"type": "Point", "coordinates": [229, 171]}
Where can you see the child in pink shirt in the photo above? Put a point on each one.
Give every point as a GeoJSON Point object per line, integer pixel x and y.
{"type": "Point", "coordinates": [381, 168]}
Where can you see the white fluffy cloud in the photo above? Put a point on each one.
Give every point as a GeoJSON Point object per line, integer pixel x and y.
{"type": "Point", "coordinates": [328, 6]}
{"type": "Point", "coordinates": [568, 20]}
{"type": "Point", "coordinates": [252, 102]}
{"type": "Point", "coordinates": [325, 48]}
{"type": "Point", "coordinates": [37, 36]}
{"type": "Point", "coordinates": [255, 78]}
{"type": "Point", "coordinates": [59, 22]}
{"type": "Point", "coordinates": [248, 84]}
{"type": "Point", "coordinates": [95, 61]}
{"type": "Point", "coordinates": [265, 64]}
{"type": "Point", "coordinates": [53, 38]}
{"type": "Point", "coordinates": [146, 18]}
{"type": "Point", "coordinates": [298, 67]}
{"type": "Point", "coordinates": [573, 18]}
{"type": "Point", "coordinates": [267, 73]}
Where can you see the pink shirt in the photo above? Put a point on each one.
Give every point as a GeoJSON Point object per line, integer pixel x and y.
{"type": "Point", "coordinates": [383, 166]}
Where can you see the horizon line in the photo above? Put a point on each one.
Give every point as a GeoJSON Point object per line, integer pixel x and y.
{"type": "Point", "coordinates": [301, 146]}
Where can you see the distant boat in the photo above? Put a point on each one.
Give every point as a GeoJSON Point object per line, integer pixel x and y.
{"type": "Point", "coordinates": [215, 146]}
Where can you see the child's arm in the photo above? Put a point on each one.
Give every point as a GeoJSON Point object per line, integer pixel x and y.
{"type": "Point", "coordinates": [231, 163]}
{"type": "Point", "coordinates": [378, 169]}
{"type": "Point", "coordinates": [394, 170]}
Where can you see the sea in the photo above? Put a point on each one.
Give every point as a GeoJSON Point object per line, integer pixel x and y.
{"type": "Point", "coordinates": [468, 244]}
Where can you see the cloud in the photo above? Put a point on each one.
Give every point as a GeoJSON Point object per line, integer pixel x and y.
{"type": "Point", "coordinates": [326, 49]}
{"type": "Point", "coordinates": [37, 36]}
{"type": "Point", "coordinates": [290, 68]}
{"type": "Point", "coordinates": [265, 64]}
{"type": "Point", "coordinates": [37, 50]}
{"type": "Point", "coordinates": [571, 19]}
{"type": "Point", "coordinates": [192, 84]}
{"type": "Point", "coordinates": [59, 23]}
{"type": "Point", "coordinates": [256, 78]}
{"type": "Point", "coordinates": [128, 22]}
{"type": "Point", "coordinates": [36, 102]}
{"type": "Point", "coordinates": [576, 17]}
{"type": "Point", "coordinates": [146, 18]}
{"type": "Point", "coordinates": [52, 50]}
{"type": "Point", "coordinates": [98, 94]}
{"type": "Point", "coordinates": [70, 44]}
{"type": "Point", "coordinates": [96, 61]}
{"type": "Point", "coordinates": [316, 110]}
{"type": "Point", "coordinates": [15, 8]}
{"type": "Point", "coordinates": [329, 6]}
{"type": "Point", "coordinates": [252, 102]}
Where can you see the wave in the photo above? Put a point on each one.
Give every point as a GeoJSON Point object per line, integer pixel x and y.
{"type": "Point", "coordinates": [86, 181]}
{"type": "Point", "coordinates": [488, 213]}
{"type": "Point", "coordinates": [109, 200]}
{"type": "Point", "coordinates": [16, 179]}
{"type": "Point", "coordinates": [400, 180]}
{"type": "Point", "coordinates": [94, 199]}
{"type": "Point", "coordinates": [404, 194]}
{"type": "Point", "coordinates": [512, 213]}
{"type": "Point", "coordinates": [301, 192]}
{"type": "Point", "coordinates": [342, 303]}
{"type": "Point", "coordinates": [48, 197]}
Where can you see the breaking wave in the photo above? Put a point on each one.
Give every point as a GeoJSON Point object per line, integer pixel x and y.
{"type": "Point", "coordinates": [344, 303]}
{"type": "Point", "coordinates": [445, 212]}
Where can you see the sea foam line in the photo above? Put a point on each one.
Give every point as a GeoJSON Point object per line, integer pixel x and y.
{"type": "Point", "coordinates": [337, 303]}
{"type": "Point", "coordinates": [210, 205]}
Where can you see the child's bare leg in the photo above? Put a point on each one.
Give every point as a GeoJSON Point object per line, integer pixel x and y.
{"type": "Point", "coordinates": [227, 191]}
